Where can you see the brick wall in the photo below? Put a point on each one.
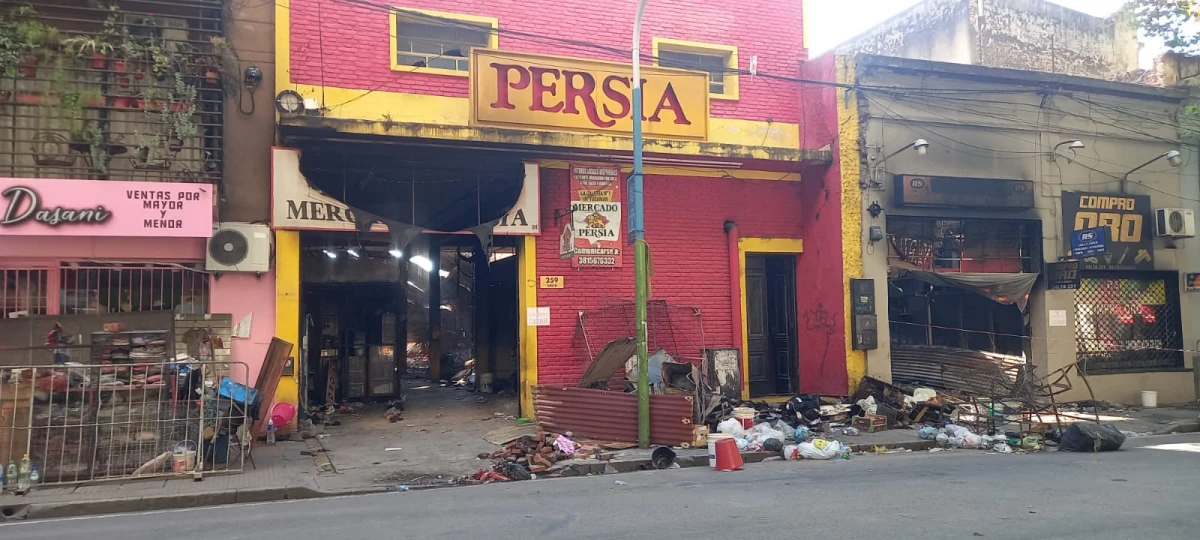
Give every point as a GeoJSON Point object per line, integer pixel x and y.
{"type": "Point", "coordinates": [685, 229]}
{"type": "Point", "coordinates": [355, 42]}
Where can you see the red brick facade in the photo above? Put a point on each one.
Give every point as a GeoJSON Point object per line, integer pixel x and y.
{"type": "Point", "coordinates": [685, 216]}
{"type": "Point", "coordinates": [685, 220]}
{"type": "Point", "coordinates": [354, 38]}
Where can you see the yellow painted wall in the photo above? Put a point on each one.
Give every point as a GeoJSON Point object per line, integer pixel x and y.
{"type": "Point", "coordinates": [527, 335]}
{"type": "Point", "coordinates": [287, 308]}
{"type": "Point", "coordinates": [851, 165]}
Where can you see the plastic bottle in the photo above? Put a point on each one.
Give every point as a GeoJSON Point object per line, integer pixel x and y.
{"type": "Point", "coordinates": [34, 477]}
{"type": "Point", "coordinates": [23, 474]}
{"type": "Point", "coordinates": [3, 486]}
{"type": "Point", "coordinates": [270, 431]}
{"type": "Point", "coordinates": [12, 475]}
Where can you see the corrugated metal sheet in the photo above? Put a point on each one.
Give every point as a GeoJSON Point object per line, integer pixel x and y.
{"type": "Point", "coordinates": [612, 416]}
{"type": "Point", "coordinates": [955, 370]}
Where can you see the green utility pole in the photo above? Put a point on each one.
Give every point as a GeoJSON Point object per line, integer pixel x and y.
{"type": "Point", "coordinates": [637, 234]}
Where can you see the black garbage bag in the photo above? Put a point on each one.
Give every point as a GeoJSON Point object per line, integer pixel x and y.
{"type": "Point", "coordinates": [1088, 437]}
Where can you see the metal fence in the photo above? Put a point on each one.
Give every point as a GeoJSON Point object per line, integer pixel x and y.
{"type": "Point", "coordinates": [1127, 323]}
{"type": "Point", "coordinates": [106, 421]}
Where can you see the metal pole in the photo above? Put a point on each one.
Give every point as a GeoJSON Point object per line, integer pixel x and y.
{"type": "Point", "coordinates": [637, 234]}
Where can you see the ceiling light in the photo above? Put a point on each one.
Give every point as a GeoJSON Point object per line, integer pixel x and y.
{"type": "Point", "coordinates": [443, 273]}
{"type": "Point", "coordinates": [330, 253]}
{"type": "Point", "coordinates": [395, 253]}
{"type": "Point", "coordinates": [423, 262]}
{"type": "Point", "coordinates": [353, 252]}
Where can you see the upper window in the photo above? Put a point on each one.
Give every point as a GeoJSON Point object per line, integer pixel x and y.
{"type": "Point", "coordinates": [719, 61]}
{"type": "Point", "coordinates": [438, 42]}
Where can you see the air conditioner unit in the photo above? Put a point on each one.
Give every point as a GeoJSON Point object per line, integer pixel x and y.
{"type": "Point", "coordinates": [1174, 222]}
{"type": "Point", "coordinates": [239, 247]}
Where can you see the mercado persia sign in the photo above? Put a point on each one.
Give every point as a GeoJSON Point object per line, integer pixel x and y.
{"type": "Point", "coordinates": [1128, 219]}
{"type": "Point", "coordinates": [295, 205]}
{"type": "Point", "coordinates": [554, 93]}
{"type": "Point", "coordinates": [44, 207]}
{"type": "Point", "coordinates": [594, 235]}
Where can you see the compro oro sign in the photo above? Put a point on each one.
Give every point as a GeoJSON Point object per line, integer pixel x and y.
{"type": "Point", "coordinates": [42, 207]}
{"type": "Point", "coordinates": [295, 205]}
{"type": "Point", "coordinates": [555, 93]}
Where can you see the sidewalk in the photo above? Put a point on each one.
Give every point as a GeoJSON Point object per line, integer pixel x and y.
{"type": "Point", "coordinates": [283, 471]}
{"type": "Point", "coordinates": [300, 470]}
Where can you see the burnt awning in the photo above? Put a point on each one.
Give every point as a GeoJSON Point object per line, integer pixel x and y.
{"type": "Point", "coordinates": [1005, 288]}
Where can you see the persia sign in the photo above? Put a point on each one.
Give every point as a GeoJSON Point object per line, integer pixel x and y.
{"type": "Point", "coordinates": [41, 207]}
{"type": "Point", "coordinates": [594, 235]}
{"type": "Point", "coordinates": [1128, 219]}
{"type": "Point", "coordinates": [295, 205]}
{"type": "Point", "coordinates": [554, 93]}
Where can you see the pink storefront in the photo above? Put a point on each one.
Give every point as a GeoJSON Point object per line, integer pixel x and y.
{"type": "Point", "coordinates": [85, 247]}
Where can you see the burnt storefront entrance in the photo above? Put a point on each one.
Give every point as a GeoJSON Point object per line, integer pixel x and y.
{"type": "Point", "coordinates": [772, 348]}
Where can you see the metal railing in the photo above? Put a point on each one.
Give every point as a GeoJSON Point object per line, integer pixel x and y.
{"type": "Point", "coordinates": [108, 421]}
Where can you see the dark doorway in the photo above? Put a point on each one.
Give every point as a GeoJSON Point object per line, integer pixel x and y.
{"type": "Point", "coordinates": [771, 324]}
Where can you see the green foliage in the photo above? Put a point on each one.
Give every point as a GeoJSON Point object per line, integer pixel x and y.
{"type": "Point", "coordinates": [22, 37]}
{"type": "Point", "coordinates": [1177, 22]}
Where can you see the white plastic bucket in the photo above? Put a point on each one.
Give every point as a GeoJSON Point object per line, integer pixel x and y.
{"type": "Point", "coordinates": [1149, 399]}
{"type": "Point", "coordinates": [745, 415]}
{"type": "Point", "coordinates": [712, 447]}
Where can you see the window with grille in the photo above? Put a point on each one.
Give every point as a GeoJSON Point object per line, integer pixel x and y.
{"type": "Point", "coordinates": [437, 43]}
{"type": "Point", "coordinates": [964, 245]}
{"type": "Point", "coordinates": [127, 288]}
{"type": "Point", "coordinates": [23, 292]}
{"type": "Point", "coordinates": [1128, 323]}
{"type": "Point", "coordinates": [714, 64]}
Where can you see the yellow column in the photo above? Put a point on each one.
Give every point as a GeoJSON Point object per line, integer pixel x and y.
{"type": "Point", "coordinates": [527, 295]}
{"type": "Point", "coordinates": [287, 308]}
{"type": "Point", "coordinates": [852, 259]}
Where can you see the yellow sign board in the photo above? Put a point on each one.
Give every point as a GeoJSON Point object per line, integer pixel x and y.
{"type": "Point", "coordinates": [530, 91]}
{"type": "Point", "coordinates": [552, 282]}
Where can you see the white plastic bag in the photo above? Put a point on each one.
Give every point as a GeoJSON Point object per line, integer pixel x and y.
{"type": "Point", "coordinates": [791, 452]}
{"type": "Point", "coordinates": [868, 405]}
{"type": "Point", "coordinates": [819, 449]}
{"type": "Point", "coordinates": [732, 427]}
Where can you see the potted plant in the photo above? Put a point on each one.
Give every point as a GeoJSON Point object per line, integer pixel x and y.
{"type": "Point", "coordinates": [95, 49]}
{"type": "Point", "coordinates": [23, 40]}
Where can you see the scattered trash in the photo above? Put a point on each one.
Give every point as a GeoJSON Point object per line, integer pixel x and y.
{"type": "Point", "coordinates": [732, 427]}
{"type": "Point", "coordinates": [1088, 437]}
{"type": "Point", "coordinates": [393, 449]}
{"type": "Point", "coordinates": [1002, 448]}
{"type": "Point", "coordinates": [800, 435]}
{"type": "Point", "coordinates": [820, 449]}
{"type": "Point", "coordinates": [663, 457]}
{"type": "Point", "coordinates": [392, 415]}
{"type": "Point", "coordinates": [927, 433]}
{"type": "Point", "coordinates": [850, 431]}
{"type": "Point", "coordinates": [402, 487]}
{"type": "Point", "coordinates": [619, 483]}
{"type": "Point", "coordinates": [565, 445]}
{"type": "Point", "coordinates": [772, 445]}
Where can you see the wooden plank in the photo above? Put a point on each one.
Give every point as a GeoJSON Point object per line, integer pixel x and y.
{"type": "Point", "coordinates": [268, 382]}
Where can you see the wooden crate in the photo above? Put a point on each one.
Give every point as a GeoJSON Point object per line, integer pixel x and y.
{"type": "Point", "coordinates": [870, 423]}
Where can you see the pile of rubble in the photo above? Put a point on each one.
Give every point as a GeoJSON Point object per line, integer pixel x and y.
{"type": "Point", "coordinates": [524, 458]}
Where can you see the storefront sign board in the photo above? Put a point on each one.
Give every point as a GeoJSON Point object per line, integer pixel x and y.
{"type": "Point", "coordinates": [1062, 276]}
{"type": "Point", "coordinates": [1128, 220]}
{"type": "Point", "coordinates": [50, 207]}
{"type": "Point", "coordinates": [553, 93]}
{"type": "Point", "coordinates": [596, 211]}
{"type": "Point", "coordinates": [296, 205]}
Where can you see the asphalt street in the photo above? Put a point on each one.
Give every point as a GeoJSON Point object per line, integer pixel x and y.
{"type": "Point", "coordinates": [1139, 492]}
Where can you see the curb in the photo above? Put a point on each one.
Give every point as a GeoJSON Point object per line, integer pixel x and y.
{"type": "Point", "coordinates": [51, 510]}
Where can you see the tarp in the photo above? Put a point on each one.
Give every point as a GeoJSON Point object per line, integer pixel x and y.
{"type": "Point", "coordinates": [1002, 288]}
